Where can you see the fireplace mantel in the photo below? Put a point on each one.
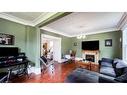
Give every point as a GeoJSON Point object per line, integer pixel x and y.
{"type": "Point", "coordinates": [96, 53]}
{"type": "Point", "coordinates": [92, 51]}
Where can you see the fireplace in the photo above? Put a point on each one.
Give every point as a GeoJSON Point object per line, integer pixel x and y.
{"type": "Point", "coordinates": [90, 57]}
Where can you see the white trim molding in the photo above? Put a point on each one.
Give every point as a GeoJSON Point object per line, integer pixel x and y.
{"type": "Point", "coordinates": [124, 45]}
{"type": "Point", "coordinates": [56, 46]}
{"type": "Point", "coordinates": [97, 32]}
{"type": "Point", "coordinates": [15, 19]}
{"type": "Point", "coordinates": [38, 20]}
{"type": "Point", "coordinates": [34, 70]}
{"type": "Point", "coordinates": [51, 37]}
{"type": "Point", "coordinates": [43, 17]}
{"type": "Point", "coordinates": [75, 35]}
{"type": "Point", "coordinates": [54, 31]}
{"type": "Point", "coordinates": [122, 24]}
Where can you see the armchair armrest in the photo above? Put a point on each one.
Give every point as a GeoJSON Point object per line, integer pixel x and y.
{"type": "Point", "coordinates": [99, 62]}
{"type": "Point", "coordinates": [106, 79]}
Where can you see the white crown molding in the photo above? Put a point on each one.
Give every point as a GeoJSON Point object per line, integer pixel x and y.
{"type": "Point", "coordinates": [74, 35]}
{"type": "Point", "coordinates": [122, 24]}
{"type": "Point", "coordinates": [15, 19]}
{"type": "Point", "coordinates": [54, 31]}
{"type": "Point", "coordinates": [38, 20]}
{"type": "Point", "coordinates": [43, 17]}
{"type": "Point", "coordinates": [51, 37]}
{"type": "Point", "coordinates": [97, 32]}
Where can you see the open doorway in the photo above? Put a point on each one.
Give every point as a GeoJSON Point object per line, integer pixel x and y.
{"type": "Point", "coordinates": [47, 47]}
{"type": "Point", "coordinates": [51, 47]}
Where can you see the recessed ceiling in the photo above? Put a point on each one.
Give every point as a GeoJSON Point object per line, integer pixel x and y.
{"type": "Point", "coordinates": [27, 18]}
{"type": "Point", "coordinates": [85, 23]}
{"type": "Point", "coordinates": [74, 24]}
{"type": "Point", "coordinates": [30, 16]}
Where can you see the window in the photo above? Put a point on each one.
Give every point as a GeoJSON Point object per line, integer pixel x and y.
{"type": "Point", "coordinates": [125, 45]}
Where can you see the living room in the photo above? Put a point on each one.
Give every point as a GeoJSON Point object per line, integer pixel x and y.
{"type": "Point", "coordinates": [103, 41]}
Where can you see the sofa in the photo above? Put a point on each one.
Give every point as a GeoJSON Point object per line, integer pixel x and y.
{"type": "Point", "coordinates": [112, 71]}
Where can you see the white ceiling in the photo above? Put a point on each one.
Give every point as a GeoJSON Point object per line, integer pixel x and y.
{"type": "Point", "coordinates": [29, 16]}
{"type": "Point", "coordinates": [85, 23]}
{"type": "Point", "coordinates": [74, 24]}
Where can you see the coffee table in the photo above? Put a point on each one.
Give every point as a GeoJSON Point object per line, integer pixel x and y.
{"type": "Point", "coordinates": [88, 65]}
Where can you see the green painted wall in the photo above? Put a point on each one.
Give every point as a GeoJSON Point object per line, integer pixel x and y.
{"type": "Point", "coordinates": [31, 43]}
{"type": "Point", "coordinates": [110, 52]}
{"type": "Point", "coordinates": [65, 43]}
{"type": "Point", "coordinates": [27, 38]}
{"type": "Point", "coordinates": [18, 30]}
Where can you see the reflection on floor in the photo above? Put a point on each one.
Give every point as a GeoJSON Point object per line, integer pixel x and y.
{"type": "Point", "coordinates": [55, 74]}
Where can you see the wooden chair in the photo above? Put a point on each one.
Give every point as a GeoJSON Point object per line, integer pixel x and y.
{"type": "Point", "coordinates": [5, 76]}
{"type": "Point", "coordinates": [45, 63]}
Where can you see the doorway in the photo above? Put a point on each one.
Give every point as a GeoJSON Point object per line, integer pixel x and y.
{"type": "Point", "coordinates": [51, 47]}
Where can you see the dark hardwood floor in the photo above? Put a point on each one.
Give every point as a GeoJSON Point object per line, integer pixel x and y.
{"type": "Point", "coordinates": [54, 74]}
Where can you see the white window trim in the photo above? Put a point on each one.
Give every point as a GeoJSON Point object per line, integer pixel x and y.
{"type": "Point", "coordinates": [124, 45]}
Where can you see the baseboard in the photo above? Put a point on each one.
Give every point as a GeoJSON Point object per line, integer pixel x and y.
{"type": "Point", "coordinates": [34, 70]}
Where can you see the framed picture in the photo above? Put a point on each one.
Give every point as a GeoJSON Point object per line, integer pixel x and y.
{"type": "Point", "coordinates": [108, 42]}
{"type": "Point", "coordinates": [6, 39]}
{"type": "Point", "coordinates": [75, 43]}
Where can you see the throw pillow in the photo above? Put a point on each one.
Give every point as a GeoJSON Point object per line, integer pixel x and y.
{"type": "Point", "coordinates": [106, 64]}
{"type": "Point", "coordinates": [122, 78]}
{"type": "Point", "coordinates": [120, 63]}
{"type": "Point", "coordinates": [107, 60]}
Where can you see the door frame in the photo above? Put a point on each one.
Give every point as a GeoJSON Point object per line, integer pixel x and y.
{"type": "Point", "coordinates": [54, 38]}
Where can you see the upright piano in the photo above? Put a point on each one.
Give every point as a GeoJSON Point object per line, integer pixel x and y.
{"type": "Point", "coordinates": [12, 59]}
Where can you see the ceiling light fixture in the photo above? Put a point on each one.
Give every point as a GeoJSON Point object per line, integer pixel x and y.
{"type": "Point", "coordinates": [82, 36]}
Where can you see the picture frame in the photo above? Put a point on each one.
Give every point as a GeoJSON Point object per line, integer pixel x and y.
{"type": "Point", "coordinates": [108, 42]}
{"type": "Point", "coordinates": [75, 43]}
{"type": "Point", "coordinates": [6, 39]}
